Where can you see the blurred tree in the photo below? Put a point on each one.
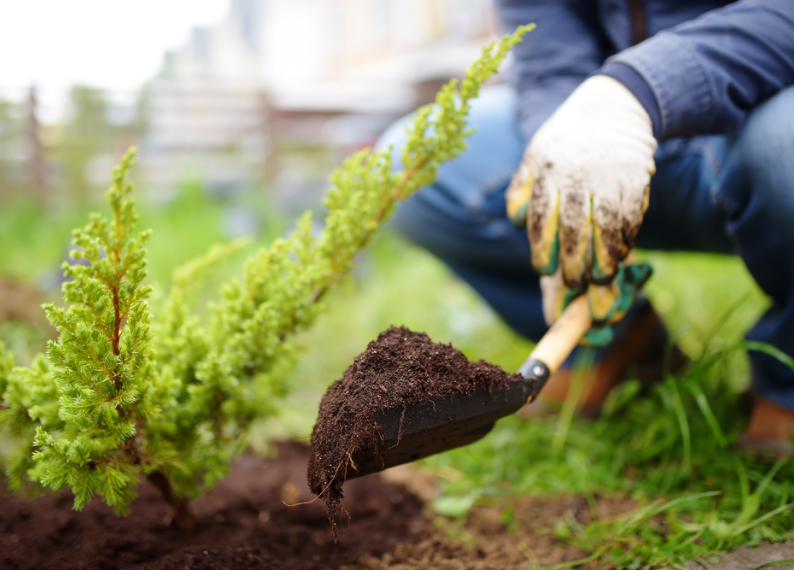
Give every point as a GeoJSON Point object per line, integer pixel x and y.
{"type": "Point", "coordinates": [12, 129]}
{"type": "Point", "coordinates": [89, 134]}
{"type": "Point", "coordinates": [37, 176]}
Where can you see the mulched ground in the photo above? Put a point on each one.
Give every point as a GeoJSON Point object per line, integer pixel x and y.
{"type": "Point", "coordinates": [242, 523]}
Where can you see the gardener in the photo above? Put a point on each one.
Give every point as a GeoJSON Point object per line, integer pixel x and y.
{"type": "Point", "coordinates": [677, 115]}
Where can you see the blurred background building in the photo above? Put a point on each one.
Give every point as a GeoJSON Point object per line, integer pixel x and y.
{"type": "Point", "coordinates": [274, 94]}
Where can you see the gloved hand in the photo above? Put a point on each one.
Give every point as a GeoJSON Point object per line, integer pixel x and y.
{"type": "Point", "coordinates": [608, 303]}
{"type": "Point", "coordinates": [583, 186]}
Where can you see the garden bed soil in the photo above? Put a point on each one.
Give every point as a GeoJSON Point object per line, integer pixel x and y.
{"type": "Point", "coordinates": [506, 536]}
{"type": "Point", "coordinates": [242, 523]}
{"type": "Point", "coordinates": [398, 369]}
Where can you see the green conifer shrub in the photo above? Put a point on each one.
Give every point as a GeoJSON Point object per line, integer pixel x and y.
{"type": "Point", "coordinates": [124, 395]}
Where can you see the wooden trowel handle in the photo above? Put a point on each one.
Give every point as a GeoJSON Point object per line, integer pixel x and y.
{"type": "Point", "coordinates": [563, 336]}
{"type": "Point", "coordinates": [557, 344]}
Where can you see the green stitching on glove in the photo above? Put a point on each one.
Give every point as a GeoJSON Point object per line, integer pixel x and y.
{"type": "Point", "coordinates": [629, 279]}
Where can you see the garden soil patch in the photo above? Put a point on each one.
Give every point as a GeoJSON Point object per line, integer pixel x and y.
{"type": "Point", "coordinates": [397, 369]}
{"type": "Point", "coordinates": [507, 536]}
{"type": "Point", "coordinates": [242, 523]}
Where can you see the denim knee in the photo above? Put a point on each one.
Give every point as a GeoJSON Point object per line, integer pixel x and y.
{"type": "Point", "coordinates": [764, 169]}
{"type": "Point", "coordinates": [412, 219]}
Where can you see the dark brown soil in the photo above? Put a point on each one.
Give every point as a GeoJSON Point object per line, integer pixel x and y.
{"type": "Point", "coordinates": [512, 535]}
{"type": "Point", "coordinates": [242, 523]}
{"type": "Point", "coordinates": [400, 367]}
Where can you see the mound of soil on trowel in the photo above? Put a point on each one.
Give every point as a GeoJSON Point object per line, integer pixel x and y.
{"type": "Point", "coordinates": [401, 367]}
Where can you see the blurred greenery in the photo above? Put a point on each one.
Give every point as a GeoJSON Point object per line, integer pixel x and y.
{"type": "Point", "coordinates": [667, 444]}
{"type": "Point", "coordinates": [35, 243]}
{"type": "Point", "coordinates": [35, 240]}
{"type": "Point", "coordinates": [12, 135]}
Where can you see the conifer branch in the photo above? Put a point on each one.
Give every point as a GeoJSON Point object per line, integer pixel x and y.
{"type": "Point", "coordinates": [117, 400]}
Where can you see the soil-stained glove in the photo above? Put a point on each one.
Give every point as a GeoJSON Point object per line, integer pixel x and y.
{"type": "Point", "coordinates": [608, 303]}
{"type": "Point", "coordinates": [582, 187]}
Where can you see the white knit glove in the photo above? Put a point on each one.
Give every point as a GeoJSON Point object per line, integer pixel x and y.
{"type": "Point", "coordinates": [583, 185]}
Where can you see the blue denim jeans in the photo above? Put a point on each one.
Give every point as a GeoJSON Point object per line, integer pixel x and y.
{"type": "Point", "coordinates": [713, 194]}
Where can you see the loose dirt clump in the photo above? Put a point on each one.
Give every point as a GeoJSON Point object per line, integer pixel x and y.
{"type": "Point", "coordinates": [399, 368]}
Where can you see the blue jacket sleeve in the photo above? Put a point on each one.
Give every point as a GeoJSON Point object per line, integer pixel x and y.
{"type": "Point", "coordinates": [556, 57]}
{"type": "Point", "coordinates": [708, 74]}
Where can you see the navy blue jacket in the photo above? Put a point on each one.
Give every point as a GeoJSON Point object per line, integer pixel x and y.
{"type": "Point", "coordinates": [705, 65]}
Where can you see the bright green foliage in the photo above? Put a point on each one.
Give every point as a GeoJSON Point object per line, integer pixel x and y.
{"type": "Point", "coordinates": [125, 395]}
{"type": "Point", "coordinates": [101, 364]}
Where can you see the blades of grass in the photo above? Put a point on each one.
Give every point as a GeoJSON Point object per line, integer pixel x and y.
{"type": "Point", "coordinates": [784, 497]}
{"type": "Point", "coordinates": [680, 416]}
{"type": "Point", "coordinates": [667, 363]}
{"type": "Point", "coordinates": [750, 503]}
{"type": "Point", "coordinates": [620, 396]}
{"type": "Point", "coordinates": [769, 350]}
{"type": "Point", "coordinates": [722, 322]}
{"type": "Point", "coordinates": [775, 563]}
{"type": "Point", "coordinates": [761, 519]}
{"type": "Point", "coordinates": [691, 539]}
{"type": "Point", "coordinates": [652, 510]}
{"type": "Point", "coordinates": [705, 409]}
{"type": "Point", "coordinates": [584, 361]}
{"type": "Point", "coordinates": [579, 465]}
{"type": "Point", "coordinates": [573, 563]}
{"type": "Point", "coordinates": [576, 527]}
{"type": "Point", "coordinates": [656, 438]}
{"type": "Point", "coordinates": [702, 365]}
{"type": "Point", "coordinates": [770, 475]}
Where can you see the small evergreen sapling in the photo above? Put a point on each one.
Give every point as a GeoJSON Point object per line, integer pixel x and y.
{"type": "Point", "coordinates": [121, 396]}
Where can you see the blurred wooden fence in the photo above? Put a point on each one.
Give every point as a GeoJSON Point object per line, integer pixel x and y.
{"type": "Point", "coordinates": [63, 145]}
{"type": "Point", "coordinates": [56, 146]}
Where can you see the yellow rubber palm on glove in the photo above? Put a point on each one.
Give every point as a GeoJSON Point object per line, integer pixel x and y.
{"type": "Point", "coordinates": [581, 192]}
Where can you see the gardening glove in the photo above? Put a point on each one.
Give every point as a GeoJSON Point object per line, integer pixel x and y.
{"type": "Point", "coordinates": [608, 303]}
{"type": "Point", "coordinates": [583, 184]}
{"type": "Point", "coordinates": [581, 191]}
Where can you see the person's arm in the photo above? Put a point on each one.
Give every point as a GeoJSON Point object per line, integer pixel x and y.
{"type": "Point", "coordinates": [705, 76]}
{"type": "Point", "coordinates": [556, 57]}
